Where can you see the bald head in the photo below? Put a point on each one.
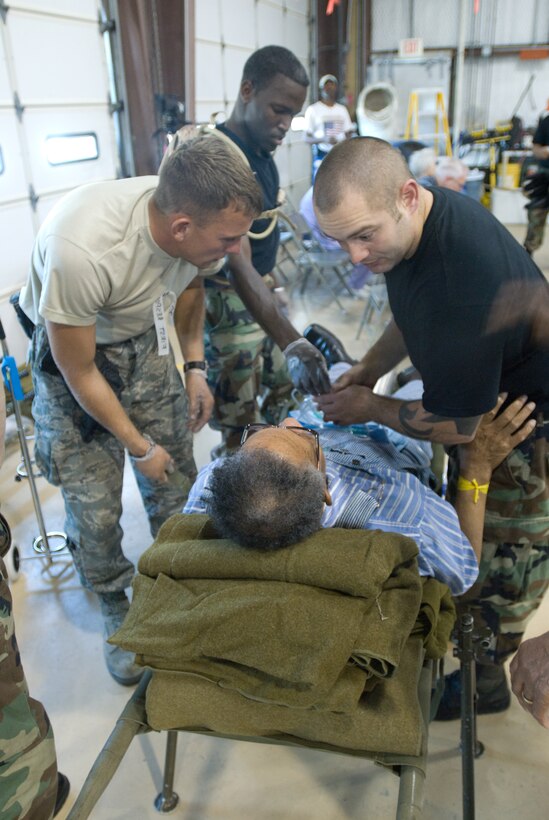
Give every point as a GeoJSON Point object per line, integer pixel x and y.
{"type": "Point", "coordinates": [367, 165]}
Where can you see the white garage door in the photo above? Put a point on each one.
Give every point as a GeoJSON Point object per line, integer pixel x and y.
{"type": "Point", "coordinates": [56, 130]}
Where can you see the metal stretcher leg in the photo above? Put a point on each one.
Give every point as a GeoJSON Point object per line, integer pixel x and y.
{"type": "Point", "coordinates": [131, 722]}
{"type": "Point", "coordinates": [167, 800]}
{"type": "Point", "coordinates": [471, 643]}
{"type": "Point", "coordinates": [412, 778]}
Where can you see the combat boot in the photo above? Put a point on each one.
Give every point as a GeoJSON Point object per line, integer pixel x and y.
{"type": "Point", "coordinates": [493, 693]}
{"type": "Point", "coordinates": [120, 663]}
{"type": "Point", "coordinates": [63, 789]}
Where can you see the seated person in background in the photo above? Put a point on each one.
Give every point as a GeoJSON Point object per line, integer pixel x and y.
{"type": "Point", "coordinates": [282, 486]}
{"type": "Point", "coordinates": [361, 274]}
{"type": "Point", "coordinates": [446, 172]}
{"type": "Point", "coordinates": [451, 173]}
{"type": "Point", "coordinates": [423, 165]}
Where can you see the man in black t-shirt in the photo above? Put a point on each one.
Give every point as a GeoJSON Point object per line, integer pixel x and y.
{"type": "Point", "coordinates": [538, 216]}
{"type": "Point", "coordinates": [446, 259]}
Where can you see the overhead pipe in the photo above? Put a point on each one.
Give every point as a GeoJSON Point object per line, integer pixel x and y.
{"type": "Point", "coordinates": [457, 117]}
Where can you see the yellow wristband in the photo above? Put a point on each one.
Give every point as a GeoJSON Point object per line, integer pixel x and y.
{"type": "Point", "coordinates": [465, 484]}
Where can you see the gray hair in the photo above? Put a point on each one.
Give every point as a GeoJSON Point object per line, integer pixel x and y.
{"type": "Point", "coordinates": [204, 175]}
{"type": "Point", "coordinates": [422, 162]}
{"type": "Point", "coordinates": [366, 164]}
{"type": "Point", "coordinates": [262, 501]}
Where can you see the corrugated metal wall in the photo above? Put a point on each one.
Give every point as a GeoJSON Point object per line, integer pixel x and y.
{"type": "Point", "coordinates": [493, 82]}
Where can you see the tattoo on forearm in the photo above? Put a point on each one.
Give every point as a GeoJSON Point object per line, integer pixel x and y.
{"type": "Point", "coordinates": [423, 428]}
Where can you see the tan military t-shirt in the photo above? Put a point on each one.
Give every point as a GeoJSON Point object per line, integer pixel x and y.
{"type": "Point", "coordinates": [95, 262]}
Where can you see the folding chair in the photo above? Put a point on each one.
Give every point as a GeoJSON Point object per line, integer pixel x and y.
{"type": "Point", "coordinates": [376, 303]}
{"type": "Point", "coordinates": [311, 257]}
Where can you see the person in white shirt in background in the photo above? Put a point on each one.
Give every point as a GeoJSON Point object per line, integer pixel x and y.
{"type": "Point", "coordinates": [327, 121]}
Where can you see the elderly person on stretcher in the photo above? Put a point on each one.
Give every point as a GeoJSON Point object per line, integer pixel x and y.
{"type": "Point", "coordinates": [286, 482]}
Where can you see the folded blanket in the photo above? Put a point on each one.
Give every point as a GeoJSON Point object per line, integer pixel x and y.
{"type": "Point", "coordinates": [356, 562]}
{"type": "Point", "coordinates": [287, 642]}
{"type": "Point", "coordinates": [387, 720]}
{"type": "Point", "coordinates": [436, 618]}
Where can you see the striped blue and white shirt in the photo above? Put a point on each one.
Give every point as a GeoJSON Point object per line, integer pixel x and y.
{"type": "Point", "coordinates": [374, 485]}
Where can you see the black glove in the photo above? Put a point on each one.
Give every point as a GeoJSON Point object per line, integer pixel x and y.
{"type": "Point", "coordinates": [307, 367]}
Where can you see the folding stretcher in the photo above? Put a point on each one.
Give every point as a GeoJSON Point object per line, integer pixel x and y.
{"type": "Point", "coordinates": [172, 701]}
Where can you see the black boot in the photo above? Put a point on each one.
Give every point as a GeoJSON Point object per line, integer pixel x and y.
{"type": "Point", "coordinates": [328, 344]}
{"type": "Point", "coordinates": [63, 788]}
{"type": "Point", "coordinates": [492, 690]}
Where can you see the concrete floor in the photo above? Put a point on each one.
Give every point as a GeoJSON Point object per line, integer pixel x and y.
{"type": "Point", "coordinates": [60, 635]}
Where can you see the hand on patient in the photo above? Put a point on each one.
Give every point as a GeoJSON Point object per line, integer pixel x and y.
{"type": "Point", "coordinates": [352, 397]}
{"type": "Point", "coordinates": [357, 374]}
{"type": "Point", "coordinates": [497, 434]}
{"type": "Point", "coordinates": [530, 677]}
{"type": "Point", "coordinates": [351, 404]}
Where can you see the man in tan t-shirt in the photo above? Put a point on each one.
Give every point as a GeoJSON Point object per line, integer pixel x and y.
{"type": "Point", "coordinates": [111, 264]}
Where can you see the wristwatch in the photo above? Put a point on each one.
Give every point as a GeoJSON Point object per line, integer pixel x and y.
{"type": "Point", "coordinates": [194, 366]}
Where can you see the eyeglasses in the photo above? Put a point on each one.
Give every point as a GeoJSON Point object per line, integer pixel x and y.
{"type": "Point", "coordinates": [303, 432]}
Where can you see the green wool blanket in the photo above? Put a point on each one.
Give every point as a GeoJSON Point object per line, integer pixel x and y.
{"type": "Point", "coordinates": [321, 641]}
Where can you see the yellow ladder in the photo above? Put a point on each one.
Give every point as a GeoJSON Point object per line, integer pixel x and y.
{"type": "Point", "coordinates": [436, 113]}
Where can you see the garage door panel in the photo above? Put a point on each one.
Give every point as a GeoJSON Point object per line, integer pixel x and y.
{"type": "Point", "coordinates": [85, 9]}
{"type": "Point", "coordinates": [17, 341]}
{"type": "Point", "coordinates": [17, 234]}
{"type": "Point", "coordinates": [13, 183]}
{"type": "Point", "coordinates": [6, 95]}
{"type": "Point", "coordinates": [46, 203]}
{"type": "Point", "coordinates": [41, 124]}
{"type": "Point", "coordinates": [75, 77]}
{"type": "Point", "coordinates": [52, 57]}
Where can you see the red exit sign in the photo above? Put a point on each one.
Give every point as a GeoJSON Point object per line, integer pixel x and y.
{"type": "Point", "coordinates": [412, 47]}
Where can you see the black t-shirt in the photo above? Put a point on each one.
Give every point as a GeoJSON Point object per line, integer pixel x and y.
{"type": "Point", "coordinates": [263, 165]}
{"type": "Point", "coordinates": [441, 299]}
{"type": "Point", "coordinates": [541, 137]}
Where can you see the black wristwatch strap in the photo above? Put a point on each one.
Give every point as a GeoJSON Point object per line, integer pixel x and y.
{"type": "Point", "coordinates": [194, 366]}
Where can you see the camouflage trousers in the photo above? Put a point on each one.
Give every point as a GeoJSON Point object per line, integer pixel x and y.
{"type": "Point", "coordinates": [89, 466]}
{"type": "Point", "coordinates": [536, 228]}
{"type": "Point", "coordinates": [247, 372]}
{"type": "Point", "coordinates": [28, 766]}
{"type": "Point", "coordinates": [514, 567]}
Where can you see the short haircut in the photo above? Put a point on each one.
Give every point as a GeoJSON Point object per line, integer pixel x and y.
{"type": "Point", "coordinates": [261, 500]}
{"type": "Point", "coordinates": [205, 175]}
{"type": "Point", "coordinates": [366, 164]}
{"type": "Point", "coordinates": [422, 162]}
{"type": "Point", "coordinates": [264, 64]}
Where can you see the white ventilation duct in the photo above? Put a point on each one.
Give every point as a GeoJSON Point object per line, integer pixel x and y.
{"type": "Point", "coordinates": [376, 111]}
